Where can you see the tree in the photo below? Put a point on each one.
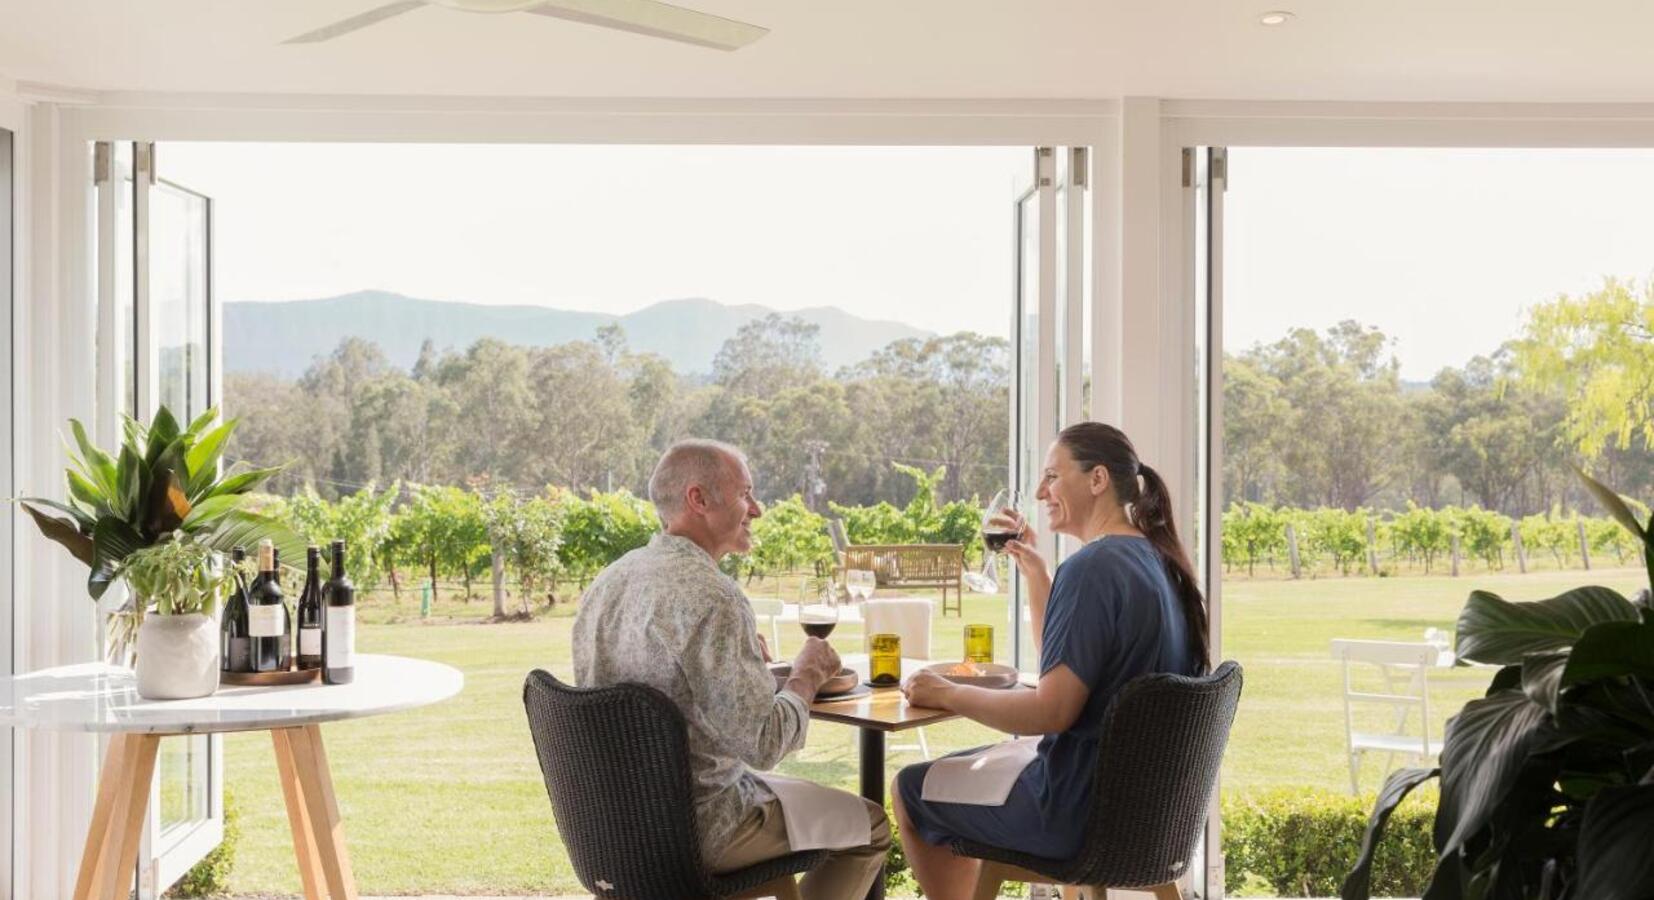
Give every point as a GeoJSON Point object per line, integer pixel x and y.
{"type": "Point", "coordinates": [769, 354]}
{"type": "Point", "coordinates": [1254, 412]}
{"type": "Point", "coordinates": [1599, 349]}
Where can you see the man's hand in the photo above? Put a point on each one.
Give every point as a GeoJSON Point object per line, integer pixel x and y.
{"type": "Point", "coordinates": [813, 665]}
{"type": "Point", "coordinates": [926, 688]}
{"type": "Point", "coordinates": [764, 648]}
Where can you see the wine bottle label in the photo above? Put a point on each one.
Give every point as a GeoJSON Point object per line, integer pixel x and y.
{"type": "Point", "coordinates": [310, 641]}
{"type": "Point", "coordinates": [264, 620]}
{"type": "Point", "coordinates": [341, 637]}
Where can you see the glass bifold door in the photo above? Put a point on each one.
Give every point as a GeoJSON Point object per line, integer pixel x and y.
{"type": "Point", "coordinates": [157, 344]}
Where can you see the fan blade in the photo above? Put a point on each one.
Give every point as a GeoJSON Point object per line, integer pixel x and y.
{"type": "Point", "coordinates": [656, 19]}
{"type": "Point", "coordinates": [346, 26]}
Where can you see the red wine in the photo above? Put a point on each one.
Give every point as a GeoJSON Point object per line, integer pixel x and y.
{"type": "Point", "coordinates": [818, 629]}
{"type": "Point", "coordinates": [339, 625]}
{"type": "Point", "coordinates": [236, 645]}
{"type": "Point", "coordinates": [310, 612]}
{"type": "Point", "coordinates": [996, 539]}
{"type": "Point", "coordinates": [269, 620]}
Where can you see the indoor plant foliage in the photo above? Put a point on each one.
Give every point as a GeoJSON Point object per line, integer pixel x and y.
{"type": "Point", "coordinates": [185, 581]}
{"type": "Point", "coordinates": [1547, 782]}
{"type": "Point", "coordinates": [163, 479]}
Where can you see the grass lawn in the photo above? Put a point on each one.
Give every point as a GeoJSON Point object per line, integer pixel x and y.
{"type": "Point", "coordinates": [449, 799]}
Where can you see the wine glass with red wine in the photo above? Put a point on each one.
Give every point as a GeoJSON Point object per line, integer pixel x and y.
{"type": "Point", "coordinates": [999, 527]}
{"type": "Point", "coordinates": [818, 607]}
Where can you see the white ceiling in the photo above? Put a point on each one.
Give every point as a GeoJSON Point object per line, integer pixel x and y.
{"type": "Point", "coordinates": [1490, 50]}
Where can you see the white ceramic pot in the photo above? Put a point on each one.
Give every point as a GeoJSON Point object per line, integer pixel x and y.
{"type": "Point", "coordinates": [177, 657]}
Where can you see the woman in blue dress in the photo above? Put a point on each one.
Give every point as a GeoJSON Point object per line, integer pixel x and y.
{"type": "Point", "coordinates": [1124, 604]}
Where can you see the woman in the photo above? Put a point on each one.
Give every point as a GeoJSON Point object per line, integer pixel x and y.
{"type": "Point", "coordinates": [1125, 604]}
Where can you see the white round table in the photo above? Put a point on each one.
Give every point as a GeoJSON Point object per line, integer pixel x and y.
{"type": "Point", "coordinates": [101, 698]}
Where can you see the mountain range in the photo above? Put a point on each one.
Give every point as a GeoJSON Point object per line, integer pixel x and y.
{"type": "Point", "coordinates": [283, 338]}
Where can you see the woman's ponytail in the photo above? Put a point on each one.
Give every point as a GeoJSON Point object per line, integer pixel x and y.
{"type": "Point", "coordinates": [1152, 514]}
{"type": "Point", "coordinates": [1094, 444]}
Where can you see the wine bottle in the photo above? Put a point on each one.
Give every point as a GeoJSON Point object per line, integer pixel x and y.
{"type": "Point", "coordinates": [310, 611]}
{"type": "Point", "coordinates": [235, 650]}
{"type": "Point", "coordinates": [339, 623]}
{"type": "Point", "coordinates": [268, 616]}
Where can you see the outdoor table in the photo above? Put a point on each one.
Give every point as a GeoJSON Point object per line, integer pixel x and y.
{"type": "Point", "coordinates": [884, 710]}
{"type": "Point", "coordinates": [97, 697]}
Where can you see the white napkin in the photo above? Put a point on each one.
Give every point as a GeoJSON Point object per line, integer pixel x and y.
{"type": "Point", "coordinates": [817, 817]}
{"type": "Point", "coordinates": [983, 778]}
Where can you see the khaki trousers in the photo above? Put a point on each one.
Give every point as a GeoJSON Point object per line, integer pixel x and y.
{"type": "Point", "coordinates": [845, 875]}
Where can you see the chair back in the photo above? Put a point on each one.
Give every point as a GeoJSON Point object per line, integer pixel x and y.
{"type": "Point", "coordinates": [616, 764]}
{"type": "Point", "coordinates": [1162, 745]}
{"type": "Point", "coordinates": [1400, 685]}
{"type": "Point", "coordinates": [908, 617]}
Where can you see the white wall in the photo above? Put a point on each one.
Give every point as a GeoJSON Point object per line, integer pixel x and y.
{"type": "Point", "coordinates": [11, 120]}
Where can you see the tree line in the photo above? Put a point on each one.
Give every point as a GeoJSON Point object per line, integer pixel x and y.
{"type": "Point", "coordinates": [593, 415]}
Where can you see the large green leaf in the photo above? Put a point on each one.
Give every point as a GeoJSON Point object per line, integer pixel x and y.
{"type": "Point", "coordinates": [1486, 745]}
{"type": "Point", "coordinates": [207, 513]}
{"type": "Point", "coordinates": [163, 431]}
{"type": "Point", "coordinates": [99, 466]}
{"type": "Point", "coordinates": [89, 494]}
{"type": "Point", "coordinates": [239, 528]}
{"type": "Point", "coordinates": [1494, 630]}
{"type": "Point", "coordinates": [1358, 884]}
{"type": "Point", "coordinates": [1615, 843]}
{"type": "Point", "coordinates": [1613, 503]}
{"type": "Point", "coordinates": [129, 483]}
{"type": "Point", "coordinates": [1542, 677]}
{"type": "Point", "coordinates": [202, 460]}
{"type": "Point", "coordinates": [242, 482]}
{"type": "Point", "coordinates": [1610, 650]}
{"type": "Point", "coordinates": [202, 421]}
{"type": "Point", "coordinates": [63, 531]}
{"type": "Point", "coordinates": [112, 541]}
{"type": "Point", "coordinates": [82, 519]}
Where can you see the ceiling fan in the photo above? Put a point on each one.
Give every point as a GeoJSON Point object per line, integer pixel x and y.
{"type": "Point", "coordinates": [648, 17]}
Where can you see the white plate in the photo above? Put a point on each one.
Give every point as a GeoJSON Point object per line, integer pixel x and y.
{"type": "Point", "coordinates": [989, 675]}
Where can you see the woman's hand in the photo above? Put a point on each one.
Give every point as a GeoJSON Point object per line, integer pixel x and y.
{"type": "Point", "coordinates": [1022, 552]}
{"type": "Point", "coordinates": [928, 689]}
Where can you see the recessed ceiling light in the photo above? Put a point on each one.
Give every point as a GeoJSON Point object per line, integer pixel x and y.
{"type": "Point", "coordinates": [1275, 17]}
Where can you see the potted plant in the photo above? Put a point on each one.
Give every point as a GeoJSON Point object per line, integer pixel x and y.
{"type": "Point", "coordinates": [185, 581]}
{"type": "Point", "coordinates": [163, 483]}
{"type": "Point", "coordinates": [1547, 782]}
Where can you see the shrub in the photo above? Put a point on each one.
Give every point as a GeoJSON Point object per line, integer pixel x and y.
{"type": "Point", "coordinates": [211, 876]}
{"type": "Point", "coordinates": [1301, 843]}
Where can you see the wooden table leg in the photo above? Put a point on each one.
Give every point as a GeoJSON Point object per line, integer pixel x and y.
{"type": "Point", "coordinates": [111, 851]}
{"type": "Point", "coordinates": [298, 816]}
{"type": "Point", "coordinates": [322, 809]}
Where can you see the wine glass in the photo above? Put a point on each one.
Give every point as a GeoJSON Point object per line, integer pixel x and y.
{"type": "Point", "coordinates": [818, 607]}
{"type": "Point", "coordinates": [860, 583]}
{"type": "Point", "coordinates": [999, 527]}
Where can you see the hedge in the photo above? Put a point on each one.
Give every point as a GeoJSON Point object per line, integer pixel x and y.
{"type": "Point", "coordinates": [1298, 843]}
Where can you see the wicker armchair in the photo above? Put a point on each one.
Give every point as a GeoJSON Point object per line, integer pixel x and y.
{"type": "Point", "coordinates": [1161, 749]}
{"type": "Point", "coordinates": [616, 764]}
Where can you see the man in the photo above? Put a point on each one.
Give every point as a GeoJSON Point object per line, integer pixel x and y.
{"type": "Point", "coordinates": [664, 615]}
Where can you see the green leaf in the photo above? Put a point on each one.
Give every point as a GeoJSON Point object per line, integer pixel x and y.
{"type": "Point", "coordinates": [88, 493]}
{"type": "Point", "coordinates": [202, 459]}
{"type": "Point", "coordinates": [1610, 650]}
{"type": "Point", "coordinates": [239, 528]}
{"type": "Point", "coordinates": [63, 531]}
{"type": "Point", "coordinates": [206, 513]}
{"type": "Point", "coordinates": [1542, 677]}
{"type": "Point", "coordinates": [202, 421]}
{"type": "Point", "coordinates": [242, 482]}
{"type": "Point", "coordinates": [112, 541]}
{"type": "Point", "coordinates": [1612, 502]}
{"type": "Point", "coordinates": [1614, 861]}
{"type": "Point", "coordinates": [99, 467]}
{"type": "Point", "coordinates": [86, 522]}
{"type": "Point", "coordinates": [1494, 630]}
{"type": "Point", "coordinates": [163, 431]}
{"type": "Point", "coordinates": [1486, 746]}
{"type": "Point", "coordinates": [129, 482]}
{"type": "Point", "coordinates": [1358, 884]}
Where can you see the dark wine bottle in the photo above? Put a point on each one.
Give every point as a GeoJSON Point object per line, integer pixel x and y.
{"type": "Point", "coordinates": [310, 611]}
{"type": "Point", "coordinates": [236, 644]}
{"type": "Point", "coordinates": [270, 620]}
{"type": "Point", "coordinates": [339, 623]}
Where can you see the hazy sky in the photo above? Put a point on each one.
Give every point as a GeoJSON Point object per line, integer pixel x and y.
{"type": "Point", "coordinates": [1442, 249]}
{"type": "Point", "coordinates": [922, 236]}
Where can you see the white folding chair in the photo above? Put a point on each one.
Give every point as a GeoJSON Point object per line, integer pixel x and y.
{"type": "Point", "coordinates": [765, 608]}
{"type": "Point", "coordinates": [908, 617]}
{"type": "Point", "coordinates": [1403, 686]}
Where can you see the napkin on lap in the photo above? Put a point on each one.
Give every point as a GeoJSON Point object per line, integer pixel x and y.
{"type": "Point", "coordinates": [818, 817]}
{"type": "Point", "coordinates": [983, 778]}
